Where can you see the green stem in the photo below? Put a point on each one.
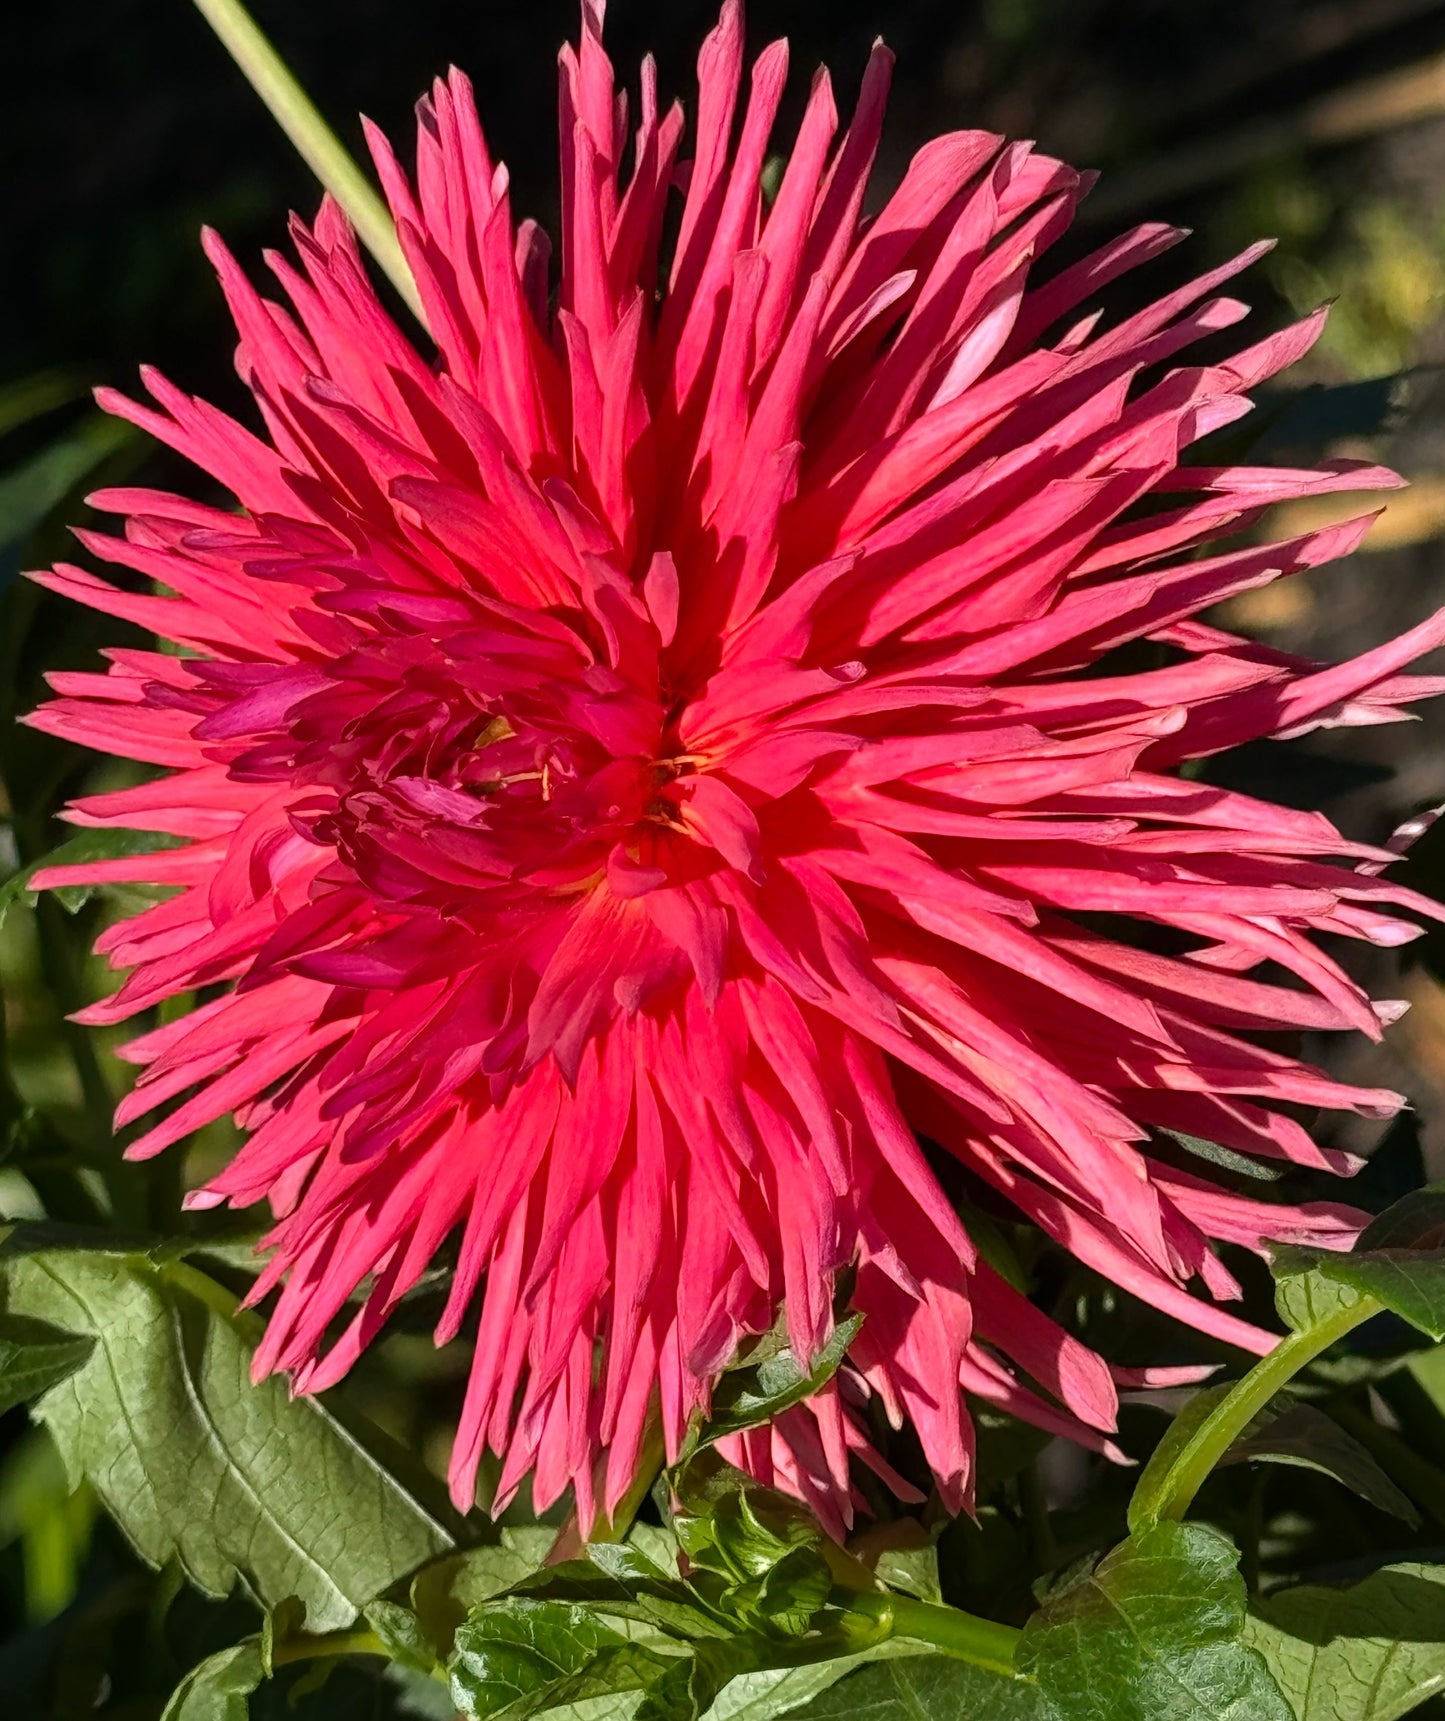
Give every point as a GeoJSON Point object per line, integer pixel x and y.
{"type": "Point", "coordinates": [318, 146]}
{"type": "Point", "coordinates": [651, 1457]}
{"type": "Point", "coordinates": [328, 1644]}
{"type": "Point", "coordinates": [202, 1287]}
{"type": "Point", "coordinates": [964, 1636]}
{"type": "Point", "coordinates": [1229, 1419]}
{"type": "Point", "coordinates": [334, 1644]}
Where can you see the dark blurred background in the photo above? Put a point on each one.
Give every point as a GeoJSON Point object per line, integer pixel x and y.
{"type": "Point", "coordinates": [124, 127]}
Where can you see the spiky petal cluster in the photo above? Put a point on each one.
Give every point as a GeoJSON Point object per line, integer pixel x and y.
{"type": "Point", "coordinates": [643, 767]}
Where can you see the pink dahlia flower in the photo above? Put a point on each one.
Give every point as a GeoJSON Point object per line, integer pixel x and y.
{"type": "Point", "coordinates": [645, 760]}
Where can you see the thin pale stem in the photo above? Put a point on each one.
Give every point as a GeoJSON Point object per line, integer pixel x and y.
{"type": "Point", "coordinates": [327, 1647]}
{"type": "Point", "coordinates": [965, 1636]}
{"type": "Point", "coordinates": [318, 146]}
{"type": "Point", "coordinates": [1219, 1431]}
{"type": "Point", "coordinates": [330, 1646]}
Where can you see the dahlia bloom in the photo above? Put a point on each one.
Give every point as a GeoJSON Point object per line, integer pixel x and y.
{"type": "Point", "coordinates": [645, 762]}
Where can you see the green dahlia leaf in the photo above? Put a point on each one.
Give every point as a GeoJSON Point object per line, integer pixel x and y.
{"type": "Point", "coordinates": [658, 1543]}
{"type": "Point", "coordinates": [1368, 1653]}
{"type": "Point", "coordinates": [1154, 1631]}
{"type": "Point", "coordinates": [199, 1465]}
{"type": "Point", "coordinates": [445, 1591]}
{"type": "Point", "coordinates": [217, 1689]}
{"type": "Point", "coordinates": [756, 1555]}
{"type": "Point", "coordinates": [1225, 1157]}
{"type": "Point", "coordinates": [906, 1688]}
{"type": "Point", "coordinates": [768, 1383]}
{"type": "Point", "coordinates": [1399, 1261]}
{"type": "Point", "coordinates": [90, 845]}
{"type": "Point", "coordinates": [402, 1635]}
{"type": "Point", "coordinates": [1284, 1433]}
{"type": "Point", "coordinates": [911, 1570]}
{"type": "Point", "coordinates": [1305, 1297]}
{"type": "Point", "coordinates": [518, 1657]}
{"type": "Point", "coordinates": [619, 1581]}
{"type": "Point", "coordinates": [233, 1685]}
{"type": "Point", "coordinates": [34, 1356]}
{"type": "Point", "coordinates": [1415, 1221]}
{"type": "Point", "coordinates": [686, 1690]}
{"type": "Point", "coordinates": [739, 1529]}
{"type": "Point", "coordinates": [1303, 1435]}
